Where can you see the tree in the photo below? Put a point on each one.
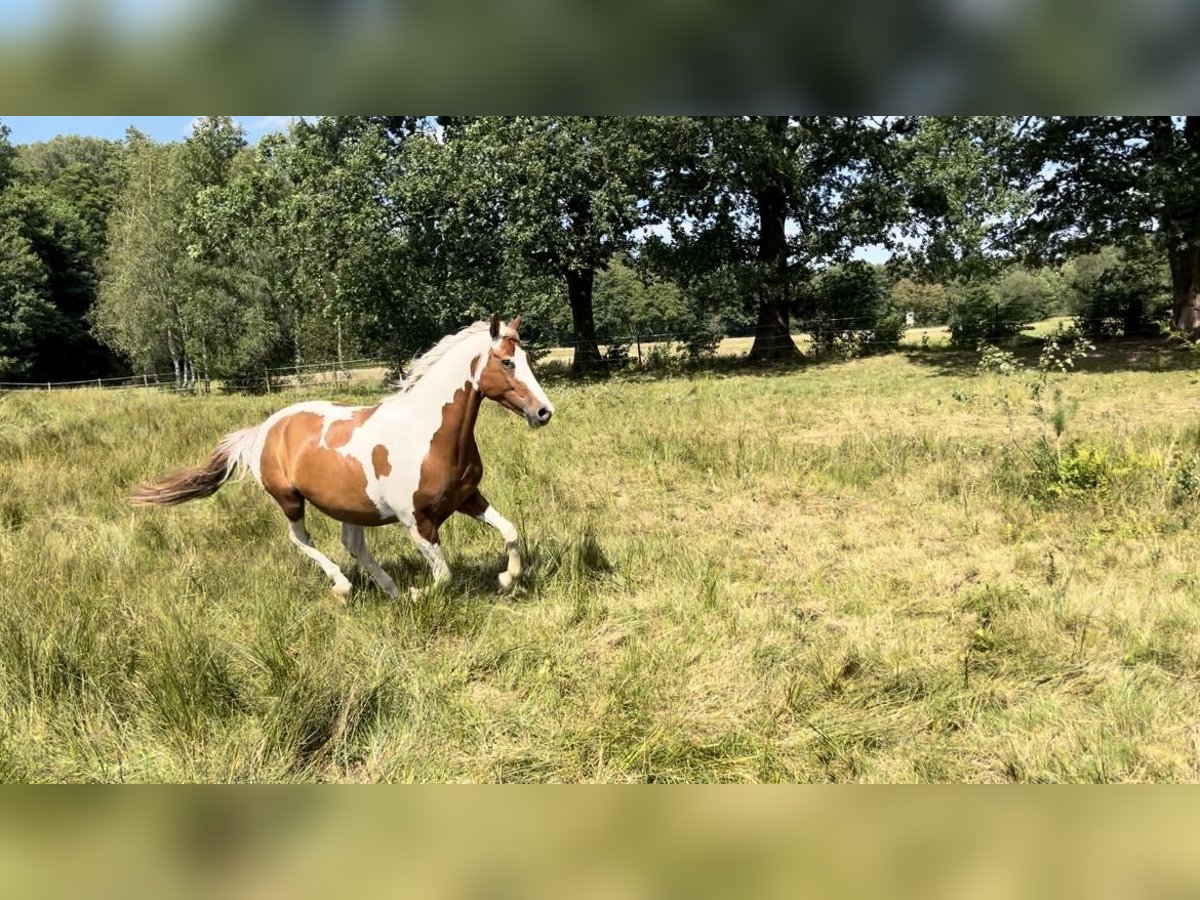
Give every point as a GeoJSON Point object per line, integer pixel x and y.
{"type": "Point", "coordinates": [629, 301]}
{"type": "Point", "coordinates": [1118, 290]}
{"type": "Point", "coordinates": [23, 306]}
{"type": "Point", "coordinates": [1118, 180]}
{"type": "Point", "coordinates": [8, 155]}
{"type": "Point", "coordinates": [961, 199]}
{"type": "Point", "coordinates": [549, 197]}
{"type": "Point", "coordinates": [140, 310]}
{"type": "Point", "coordinates": [774, 198]}
{"type": "Point", "coordinates": [52, 224]}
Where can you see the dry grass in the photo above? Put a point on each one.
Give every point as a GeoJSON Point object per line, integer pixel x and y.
{"type": "Point", "coordinates": [842, 572]}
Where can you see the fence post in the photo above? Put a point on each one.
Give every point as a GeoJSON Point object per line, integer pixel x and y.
{"type": "Point", "coordinates": [145, 380]}
{"type": "Point", "coordinates": [98, 383]}
{"type": "Point", "coordinates": [638, 338]}
{"type": "Point", "coordinates": [267, 379]}
{"type": "Point", "coordinates": [48, 386]}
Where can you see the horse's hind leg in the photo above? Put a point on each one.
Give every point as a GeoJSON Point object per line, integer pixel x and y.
{"type": "Point", "coordinates": [299, 535]}
{"type": "Point", "coordinates": [354, 540]}
{"type": "Point", "coordinates": [291, 501]}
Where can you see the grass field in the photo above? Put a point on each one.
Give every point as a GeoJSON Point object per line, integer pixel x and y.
{"type": "Point", "coordinates": [846, 571]}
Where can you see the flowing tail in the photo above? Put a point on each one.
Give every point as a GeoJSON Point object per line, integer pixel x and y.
{"type": "Point", "coordinates": [203, 480]}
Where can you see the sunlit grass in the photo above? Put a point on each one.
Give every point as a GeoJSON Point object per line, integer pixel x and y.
{"type": "Point", "coordinates": [837, 572]}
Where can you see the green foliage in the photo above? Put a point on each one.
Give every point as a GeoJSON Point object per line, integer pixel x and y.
{"type": "Point", "coordinates": [1118, 291]}
{"type": "Point", "coordinates": [956, 170]}
{"type": "Point", "coordinates": [1185, 479]}
{"type": "Point", "coordinates": [1072, 470]}
{"type": "Point", "coordinates": [848, 311]}
{"type": "Point", "coordinates": [51, 225]}
{"type": "Point", "coordinates": [994, 310]}
{"type": "Point", "coordinates": [732, 187]}
{"type": "Point", "coordinates": [23, 307]}
{"type": "Point", "coordinates": [1057, 469]}
{"type": "Point", "coordinates": [628, 302]}
{"type": "Point", "coordinates": [1128, 181]}
{"type": "Point", "coordinates": [929, 302]}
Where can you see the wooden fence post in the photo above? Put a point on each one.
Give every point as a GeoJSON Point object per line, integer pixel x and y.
{"type": "Point", "coordinates": [267, 379]}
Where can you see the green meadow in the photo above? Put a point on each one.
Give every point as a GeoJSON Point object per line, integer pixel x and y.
{"type": "Point", "coordinates": [890, 569]}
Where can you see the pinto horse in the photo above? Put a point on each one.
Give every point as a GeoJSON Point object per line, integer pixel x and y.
{"type": "Point", "coordinates": [410, 459]}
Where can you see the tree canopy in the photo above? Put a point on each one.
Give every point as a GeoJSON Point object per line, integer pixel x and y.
{"type": "Point", "coordinates": [211, 258]}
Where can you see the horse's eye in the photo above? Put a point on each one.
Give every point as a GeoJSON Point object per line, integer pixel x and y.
{"type": "Point", "coordinates": [508, 364]}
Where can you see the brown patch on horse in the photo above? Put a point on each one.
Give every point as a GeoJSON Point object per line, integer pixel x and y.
{"type": "Point", "coordinates": [379, 460]}
{"type": "Point", "coordinates": [497, 382]}
{"type": "Point", "coordinates": [341, 431]}
{"type": "Point", "coordinates": [186, 484]}
{"type": "Point", "coordinates": [295, 467]}
{"type": "Point", "coordinates": [452, 469]}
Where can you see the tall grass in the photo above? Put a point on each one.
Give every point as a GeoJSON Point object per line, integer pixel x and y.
{"type": "Point", "coordinates": [846, 572]}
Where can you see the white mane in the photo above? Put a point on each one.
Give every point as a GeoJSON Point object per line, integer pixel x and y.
{"type": "Point", "coordinates": [430, 358]}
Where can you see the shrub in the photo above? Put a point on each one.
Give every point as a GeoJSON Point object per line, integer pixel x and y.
{"type": "Point", "coordinates": [1117, 292]}
{"type": "Point", "coordinates": [980, 313]}
{"type": "Point", "coordinates": [850, 311]}
{"type": "Point", "coordinates": [929, 303]}
{"type": "Point", "coordinates": [703, 341]}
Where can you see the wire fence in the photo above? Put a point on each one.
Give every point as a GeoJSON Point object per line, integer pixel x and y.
{"type": "Point", "coordinates": [267, 380]}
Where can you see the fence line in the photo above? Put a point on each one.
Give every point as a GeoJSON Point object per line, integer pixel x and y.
{"type": "Point", "coordinates": [275, 378]}
{"type": "Point", "coordinates": [279, 377]}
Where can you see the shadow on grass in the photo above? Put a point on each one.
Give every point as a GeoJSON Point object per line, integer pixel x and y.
{"type": "Point", "coordinates": [713, 367]}
{"type": "Point", "coordinates": [578, 559]}
{"type": "Point", "coordinates": [1155, 354]}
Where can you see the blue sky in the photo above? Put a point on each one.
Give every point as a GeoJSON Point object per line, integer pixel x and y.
{"type": "Point", "coordinates": [26, 129]}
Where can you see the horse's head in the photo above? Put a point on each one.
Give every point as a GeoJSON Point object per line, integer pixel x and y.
{"type": "Point", "coordinates": [507, 378]}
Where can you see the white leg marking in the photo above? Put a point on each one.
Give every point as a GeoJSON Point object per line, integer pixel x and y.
{"type": "Point", "coordinates": [354, 539]}
{"type": "Point", "coordinates": [433, 555]}
{"type": "Point", "coordinates": [299, 536]}
{"type": "Point", "coordinates": [508, 531]}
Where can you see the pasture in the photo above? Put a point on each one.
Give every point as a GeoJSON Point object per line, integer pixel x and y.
{"type": "Point", "coordinates": [846, 571]}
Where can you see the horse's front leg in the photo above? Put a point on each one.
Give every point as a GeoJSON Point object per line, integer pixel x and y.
{"type": "Point", "coordinates": [477, 507]}
{"type": "Point", "coordinates": [425, 535]}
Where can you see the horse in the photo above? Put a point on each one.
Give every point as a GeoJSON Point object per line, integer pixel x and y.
{"type": "Point", "coordinates": [411, 458]}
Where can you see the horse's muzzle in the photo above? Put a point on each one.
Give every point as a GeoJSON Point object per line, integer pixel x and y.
{"type": "Point", "coordinates": [539, 417]}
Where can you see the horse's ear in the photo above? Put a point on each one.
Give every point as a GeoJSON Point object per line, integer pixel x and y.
{"type": "Point", "coordinates": [515, 324]}
{"type": "Point", "coordinates": [495, 325]}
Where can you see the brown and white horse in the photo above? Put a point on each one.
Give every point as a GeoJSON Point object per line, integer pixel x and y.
{"type": "Point", "coordinates": [410, 459]}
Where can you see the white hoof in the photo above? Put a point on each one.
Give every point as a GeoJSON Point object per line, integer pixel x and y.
{"type": "Point", "coordinates": [341, 590]}
{"type": "Point", "coordinates": [506, 582]}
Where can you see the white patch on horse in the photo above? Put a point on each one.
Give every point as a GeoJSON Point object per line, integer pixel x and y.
{"type": "Point", "coordinates": [406, 422]}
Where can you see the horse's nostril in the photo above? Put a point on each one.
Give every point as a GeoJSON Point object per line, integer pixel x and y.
{"type": "Point", "coordinates": [544, 414]}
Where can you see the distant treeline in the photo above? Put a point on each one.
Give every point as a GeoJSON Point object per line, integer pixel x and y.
{"type": "Point", "coordinates": [353, 235]}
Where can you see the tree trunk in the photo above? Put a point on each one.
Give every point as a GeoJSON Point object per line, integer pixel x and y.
{"type": "Point", "coordinates": [1185, 288]}
{"type": "Point", "coordinates": [175, 361]}
{"type": "Point", "coordinates": [579, 292]}
{"type": "Point", "coordinates": [772, 332]}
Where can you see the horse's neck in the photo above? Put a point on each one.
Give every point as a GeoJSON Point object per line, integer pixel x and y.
{"type": "Point", "coordinates": [448, 402]}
